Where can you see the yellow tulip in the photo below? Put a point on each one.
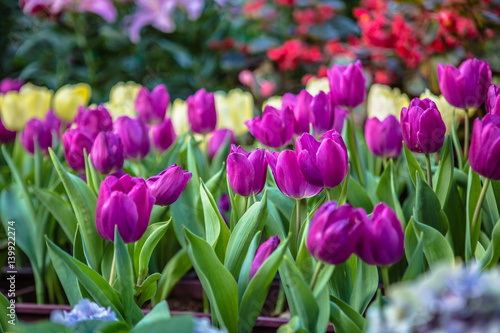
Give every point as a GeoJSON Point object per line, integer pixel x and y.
{"type": "Point", "coordinates": [274, 101]}
{"type": "Point", "coordinates": [233, 109]}
{"type": "Point", "coordinates": [68, 98]}
{"type": "Point", "coordinates": [178, 114]}
{"type": "Point", "coordinates": [383, 101]}
{"type": "Point", "coordinates": [122, 99]}
{"type": "Point", "coordinates": [315, 85]}
{"type": "Point", "coordinates": [19, 107]}
{"type": "Point", "coordinates": [446, 109]}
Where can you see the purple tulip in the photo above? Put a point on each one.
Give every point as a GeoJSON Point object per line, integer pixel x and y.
{"type": "Point", "coordinates": [289, 99]}
{"type": "Point", "coordinates": [134, 135]}
{"type": "Point", "coordinates": [484, 156]}
{"type": "Point", "coordinates": [466, 86]}
{"type": "Point", "coordinates": [124, 202]}
{"type": "Point", "coordinates": [224, 203]}
{"type": "Point", "coordinates": [493, 100]}
{"type": "Point", "coordinates": [218, 139]}
{"type": "Point", "coordinates": [247, 171]}
{"type": "Point", "coordinates": [323, 163]}
{"type": "Point", "coordinates": [75, 141]}
{"type": "Point", "coordinates": [94, 120]}
{"type": "Point", "coordinates": [384, 138]}
{"type": "Point", "coordinates": [347, 84]}
{"type": "Point", "coordinates": [152, 106]}
{"type": "Point", "coordinates": [168, 185]}
{"type": "Point", "coordinates": [6, 136]}
{"type": "Point", "coordinates": [275, 129]}
{"type": "Point", "coordinates": [8, 84]}
{"type": "Point", "coordinates": [163, 135]}
{"type": "Point", "coordinates": [422, 127]}
{"type": "Point", "coordinates": [382, 243]}
{"type": "Point", "coordinates": [39, 132]}
{"type": "Point", "coordinates": [317, 110]}
{"type": "Point", "coordinates": [335, 232]}
{"type": "Point", "coordinates": [288, 177]}
{"type": "Point", "coordinates": [263, 252]}
{"type": "Point", "coordinates": [107, 153]}
{"type": "Point", "coordinates": [201, 112]}
{"type": "Point", "coordinates": [54, 123]}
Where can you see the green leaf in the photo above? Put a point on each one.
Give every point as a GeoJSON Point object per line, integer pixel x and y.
{"type": "Point", "coordinates": [216, 230]}
{"type": "Point", "coordinates": [353, 147]}
{"type": "Point", "coordinates": [428, 208]}
{"type": "Point", "coordinates": [8, 317]}
{"type": "Point", "coordinates": [413, 166]}
{"type": "Point", "coordinates": [148, 288]}
{"type": "Point", "coordinates": [84, 202]}
{"type": "Point", "coordinates": [125, 276]}
{"type": "Point", "coordinates": [255, 294]}
{"type": "Point", "coordinates": [61, 211]}
{"type": "Point", "coordinates": [244, 277]}
{"type": "Point", "coordinates": [219, 159]}
{"type": "Point", "coordinates": [344, 318]}
{"type": "Point", "coordinates": [239, 241]}
{"type": "Point", "coordinates": [217, 282]}
{"type": "Point", "coordinates": [159, 312]}
{"type": "Point", "coordinates": [455, 211]}
{"type": "Point", "coordinates": [95, 284]}
{"type": "Point", "coordinates": [357, 196]}
{"type": "Point", "coordinates": [365, 286]}
{"type": "Point", "coordinates": [143, 248]}
{"type": "Point", "coordinates": [416, 261]}
{"type": "Point", "coordinates": [323, 279]}
{"type": "Point", "coordinates": [93, 178]}
{"type": "Point", "coordinates": [298, 294]}
{"type": "Point", "coordinates": [436, 247]}
{"type": "Point", "coordinates": [473, 192]}
{"type": "Point", "coordinates": [386, 191]}
{"type": "Point", "coordinates": [177, 324]}
{"type": "Point", "coordinates": [175, 269]}
{"type": "Point", "coordinates": [492, 254]}
{"type": "Point", "coordinates": [445, 173]}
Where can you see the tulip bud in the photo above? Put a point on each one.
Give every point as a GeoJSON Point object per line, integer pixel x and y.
{"type": "Point", "coordinates": [335, 232]}
{"type": "Point", "coordinates": [54, 123]}
{"type": "Point", "coordinates": [152, 106]}
{"type": "Point", "coordinates": [324, 163]}
{"type": "Point", "coordinates": [95, 120]}
{"type": "Point", "coordinates": [224, 204]}
{"type": "Point", "coordinates": [288, 177]}
{"type": "Point", "coordinates": [201, 112]}
{"type": "Point", "coordinates": [467, 86]}
{"type": "Point", "coordinates": [382, 243]}
{"type": "Point", "coordinates": [484, 155]}
{"type": "Point", "coordinates": [347, 84]}
{"type": "Point", "coordinates": [39, 132]}
{"type": "Point", "coordinates": [384, 138]}
{"type": "Point", "coordinates": [246, 171]}
{"type": "Point", "coordinates": [493, 100]}
{"type": "Point", "coordinates": [263, 252]}
{"type": "Point", "coordinates": [422, 127]}
{"type": "Point", "coordinates": [107, 153]}
{"type": "Point", "coordinates": [75, 141]}
{"type": "Point", "coordinates": [168, 185]}
{"type": "Point", "coordinates": [6, 136]}
{"type": "Point", "coordinates": [134, 136]}
{"type": "Point", "coordinates": [163, 135]}
{"type": "Point", "coordinates": [218, 139]}
{"type": "Point", "coordinates": [8, 84]}
{"type": "Point", "coordinates": [124, 202]}
{"type": "Point", "coordinates": [275, 129]}
{"type": "Point", "coordinates": [68, 99]}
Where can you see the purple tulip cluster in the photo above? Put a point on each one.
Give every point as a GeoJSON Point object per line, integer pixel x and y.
{"type": "Point", "coordinates": [336, 232]}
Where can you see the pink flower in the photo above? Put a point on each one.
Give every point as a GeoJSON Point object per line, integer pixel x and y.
{"type": "Point", "coordinates": [158, 13]}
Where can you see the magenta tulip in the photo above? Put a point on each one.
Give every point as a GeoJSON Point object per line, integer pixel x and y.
{"type": "Point", "coordinates": [94, 120]}
{"type": "Point", "coordinates": [347, 84]}
{"type": "Point", "coordinates": [484, 156]}
{"type": "Point", "coordinates": [107, 153]}
{"type": "Point", "coordinates": [124, 202]}
{"type": "Point", "coordinates": [168, 185]}
{"type": "Point", "coordinates": [75, 141]}
{"type": "Point", "coordinates": [6, 136]}
{"type": "Point", "coordinates": [218, 139]}
{"type": "Point", "coordinates": [493, 100]}
{"type": "Point", "coordinates": [384, 138]}
{"type": "Point", "coordinates": [163, 135]}
{"type": "Point", "coordinates": [36, 132]}
{"type": "Point", "coordinates": [134, 135]}
{"type": "Point", "coordinates": [202, 116]}
{"type": "Point", "coordinates": [275, 129]}
{"type": "Point", "coordinates": [263, 252]}
{"type": "Point", "coordinates": [323, 163]}
{"type": "Point", "coordinates": [9, 84]}
{"type": "Point", "coordinates": [152, 106]}
{"type": "Point", "coordinates": [288, 176]}
{"type": "Point", "coordinates": [246, 171]}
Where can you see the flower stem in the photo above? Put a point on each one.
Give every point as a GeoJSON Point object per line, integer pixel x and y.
{"type": "Point", "coordinates": [297, 224]}
{"type": "Point", "coordinates": [329, 194]}
{"type": "Point", "coordinates": [385, 277]}
{"type": "Point", "coordinates": [113, 269]}
{"type": "Point", "coordinates": [358, 166]}
{"type": "Point", "coordinates": [466, 137]}
{"type": "Point", "coordinates": [429, 171]}
{"type": "Point", "coordinates": [280, 303]}
{"type": "Point", "coordinates": [317, 270]}
{"type": "Point", "coordinates": [477, 211]}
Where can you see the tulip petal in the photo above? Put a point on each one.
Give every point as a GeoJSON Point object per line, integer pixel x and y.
{"type": "Point", "coordinates": [119, 210]}
{"type": "Point", "coordinates": [241, 174]}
